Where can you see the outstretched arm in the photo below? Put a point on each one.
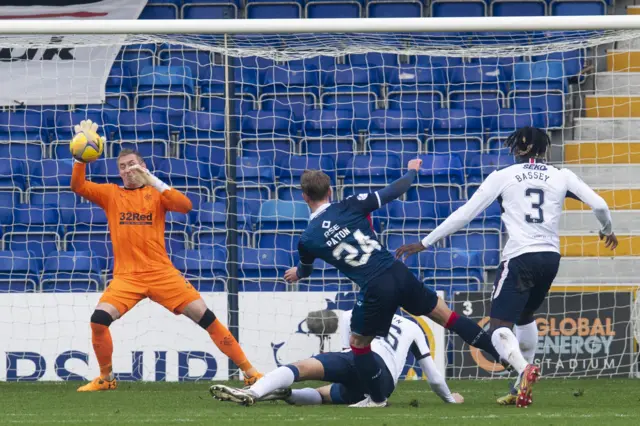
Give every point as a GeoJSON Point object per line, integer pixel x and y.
{"type": "Point", "coordinates": [94, 192]}
{"type": "Point", "coordinates": [481, 199]}
{"type": "Point", "coordinates": [172, 199]}
{"type": "Point", "coordinates": [304, 268]}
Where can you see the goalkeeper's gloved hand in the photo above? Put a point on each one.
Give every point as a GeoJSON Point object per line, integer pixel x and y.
{"type": "Point", "coordinates": [90, 130]}
{"type": "Point", "coordinates": [145, 177]}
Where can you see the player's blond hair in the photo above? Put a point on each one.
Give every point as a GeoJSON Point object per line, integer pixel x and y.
{"type": "Point", "coordinates": [129, 151]}
{"type": "Point", "coordinates": [315, 184]}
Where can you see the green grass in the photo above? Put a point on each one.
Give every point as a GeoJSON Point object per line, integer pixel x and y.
{"type": "Point", "coordinates": [557, 402]}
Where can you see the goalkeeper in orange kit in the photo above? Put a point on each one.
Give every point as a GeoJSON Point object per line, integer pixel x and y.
{"type": "Point", "coordinates": [136, 216]}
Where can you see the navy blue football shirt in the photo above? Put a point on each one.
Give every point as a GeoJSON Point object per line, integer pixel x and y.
{"type": "Point", "coordinates": [341, 235]}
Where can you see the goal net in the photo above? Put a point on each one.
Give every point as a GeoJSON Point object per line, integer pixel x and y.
{"type": "Point", "coordinates": [234, 120]}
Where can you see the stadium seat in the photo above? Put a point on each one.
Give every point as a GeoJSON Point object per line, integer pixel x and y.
{"type": "Point", "coordinates": [160, 9]}
{"type": "Point", "coordinates": [263, 269]}
{"type": "Point", "coordinates": [13, 182]}
{"type": "Point", "coordinates": [22, 135]}
{"type": "Point", "coordinates": [407, 221]}
{"type": "Point", "coordinates": [290, 169]}
{"type": "Point", "coordinates": [71, 271]}
{"type": "Point", "coordinates": [455, 8]}
{"type": "Point", "coordinates": [505, 123]}
{"type": "Point", "coordinates": [330, 132]}
{"type": "Point", "coordinates": [177, 232]}
{"type": "Point", "coordinates": [200, 62]}
{"type": "Point", "coordinates": [572, 61]}
{"type": "Point", "coordinates": [86, 229]}
{"type": "Point", "coordinates": [204, 268]}
{"type": "Point", "coordinates": [266, 134]}
{"type": "Point", "coordinates": [440, 179]}
{"type": "Point", "coordinates": [452, 270]}
{"type": "Point", "coordinates": [482, 87]}
{"type": "Point", "coordinates": [290, 87]}
{"type": "Point", "coordinates": [143, 130]}
{"type": "Point", "coordinates": [369, 173]}
{"type": "Point", "coordinates": [326, 278]}
{"type": "Point", "coordinates": [134, 58]}
{"type": "Point", "coordinates": [256, 182]}
{"type": "Point", "coordinates": [446, 64]}
{"type": "Point", "coordinates": [397, 132]}
{"type": "Point", "coordinates": [166, 89]}
{"type": "Point", "coordinates": [489, 219]}
{"type": "Point", "coordinates": [394, 9]}
{"type": "Point", "coordinates": [202, 138]}
{"type": "Point", "coordinates": [416, 88]}
{"type": "Point", "coordinates": [540, 85]}
{"type": "Point", "coordinates": [192, 177]}
{"type": "Point", "coordinates": [518, 8]}
{"type": "Point", "coordinates": [486, 244]}
{"type": "Point", "coordinates": [31, 228]}
{"type": "Point", "coordinates": [280, 224]}
{"type": "Point", "coordinates": [19, 271]}
{"type": "Point", "coordinates": [210, 9]}
{"type": "Point", "coordinates": [578, 7]}
{"type": "Point", "coordinates": [457, 131]}
{"type": "Point", "coordinates": [354, 88]}
{"type": "Point", "coordinates": [50, 183]}
{"type": "Point", "coordinates": [210, 226]}
{"type": "Point", "coordinates": [482, 166]}
{"type": "Point", "coordinates": [317, 9]}
{"type": "Point", "coordinates": [273, 9]}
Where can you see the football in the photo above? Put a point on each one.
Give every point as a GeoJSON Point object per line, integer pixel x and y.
{"type": "Point", "coordinates": [86, 148]}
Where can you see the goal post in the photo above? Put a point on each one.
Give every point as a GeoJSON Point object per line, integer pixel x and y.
{"type": "Point", "coordinates": [231, 112]}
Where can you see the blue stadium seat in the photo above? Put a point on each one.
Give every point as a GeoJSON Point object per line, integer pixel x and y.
{"type": "Point", "coordinates": [540, 85]}
{"type": "Point", "coordinates": [247, 73]}
{"type": "Point", "coordinates": [86, 229]}
{"type": "Point", "coordinates": [143, 130]}
{"type": "Point", "coordinates": [317, 9]}
{"type": "Point", "coordinates": [572, 62]}
{"type": "Point", "coordinates": [369, 173]}
{"type": "Point", "coordinates": [71, 271]}
{"type": "Point", "coordinates": [290, 87]}
{"type": "Point", "coordinates": [446, 64]}
{"type": "Point", "coordinates": [330, 132]}
{"type": "Point", "coordinates": [486, 244]}
{"type": "Point", "coordinates": [346, 87]}
{"type": "Point", "coordinates": [413, 215]}
{"type": "Point", "coordinates": [50, 183]}
{"type": "Point", "coordinates": [325, 277]}
{"type": "Point", "coordinates": [255, 179]}
{"type": "Point", "coordinates": [22, 135]}
{"type": "Point", "coordinates": [505, 123]}
{"type": "Point", "coordinates": [482, 87]}
{"type": "Point", "coordinates": [489, 219]}
{"type": "Point", "coordinates": [160, 9]}
{"type": "Point", "coordinates": [416, 88]}
{"type": "Point", "coordinates": [167, 89]}
{"type": "Point", "coordinates": [290, 169]}
{"type": "Point", "coordinates": [454, 8]}
{"type": "Point", "coordinates": [518, 8]}
{"type": "Point", "coordinates": [31, 228]}
{"type": "Point", "coordinates": [394, 9]}
{"type": "Point", "coordinates": [204, 268]}
{"type": "Point", "coordinates": [63, 132]}
{"type": "Point", "coordinates": [119, 82]}
{"type": "Point", "coordinates": [202, 138]}
{"type": "Point", "coordinates": [266, 134]}
{"type": "Point", "coordinates": [200, 62]}
{"type": "Point", "coordinates": [280, 224]}
{"type": "Point", "coordinates": [452, 270]}
{"type": "Point", "coordinates": [457, 131]}
{"type": "Point", "coordinates": [211, 9]}
{"type": "Point", "coordinates": [263, 269]}
{"type": "Point", "coordinates": [19, 271]}
{"type": "Point", "coordinates": [482, 166]}
{"type": "Point", "coordinates": [440, 179]}
{"type": "Point", "coordinates": [577, 7]}
{"type": "Point", "coordinates": [273, 9]}
{"type": "Point", "coordinates": [177, 232]}
{"type": "Point", "coordinates": [189, 176]}
{"type": "Point", "coordinates": [134, 58]}
{"type": "Point", "coordinates": [395, 131]}
{"type": "Point", "coordinates": [13, 182]}
{"type": "Point", "coordinates": [210, 226]}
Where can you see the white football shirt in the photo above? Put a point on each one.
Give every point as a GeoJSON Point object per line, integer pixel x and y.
{"type": "Point", "coordinates": [532, 197]}
{"type": "Point", "coordinates": [395, 347]}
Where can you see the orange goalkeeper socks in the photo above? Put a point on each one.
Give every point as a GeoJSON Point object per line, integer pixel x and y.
{"type": "Point", "coordinates": [229, 346]}
{"type": "Point", "coordinates": [103, 347]}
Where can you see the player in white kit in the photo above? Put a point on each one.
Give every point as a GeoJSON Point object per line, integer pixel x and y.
{"type": "Point", "coordinates": [532, 196]}
{"type": "Point", "coordinates": [339, 369]}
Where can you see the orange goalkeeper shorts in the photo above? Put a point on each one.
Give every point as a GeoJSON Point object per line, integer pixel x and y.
{"type": "Point", "coordinates": [167, 288]}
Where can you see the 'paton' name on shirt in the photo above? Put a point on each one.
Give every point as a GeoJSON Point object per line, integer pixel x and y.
{"type": "Point", "coordinates": [335, 235]}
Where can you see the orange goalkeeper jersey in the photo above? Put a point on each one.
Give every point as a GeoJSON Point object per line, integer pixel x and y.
{"type": "Point", "coordinates": [136, 221]}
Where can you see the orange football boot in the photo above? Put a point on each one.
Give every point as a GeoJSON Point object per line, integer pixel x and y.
{"type": "Point", "coordinates": [99, 384]}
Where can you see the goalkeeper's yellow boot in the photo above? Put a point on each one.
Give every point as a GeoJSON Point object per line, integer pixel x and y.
{"type": "Point", "coordinates": [99, 384]}
{"type": "Point", "coordinates": [250, 380]}
{"type": "Point", "coordinates": [529, 376]}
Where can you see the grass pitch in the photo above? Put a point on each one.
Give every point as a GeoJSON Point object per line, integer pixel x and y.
{"type": "Point", "coordinates": [556, 402]}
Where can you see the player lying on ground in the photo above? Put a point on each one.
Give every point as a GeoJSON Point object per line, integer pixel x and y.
{"type": "Point", "coordinates": [341, 235]}
{"type": "Point", "coordinates": [136, 216]}
{"type": "Point", "coordinates": [531, 195]}
{"type": "Point", "coordinates": [338, 368]}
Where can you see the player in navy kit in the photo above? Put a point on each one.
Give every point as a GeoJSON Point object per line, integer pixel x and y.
{"type": "Point", "coordinates": [341, 235]}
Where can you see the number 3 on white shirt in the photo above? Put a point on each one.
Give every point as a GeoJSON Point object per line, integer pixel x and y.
{"type": "Point", "coordinates": [367, 245]}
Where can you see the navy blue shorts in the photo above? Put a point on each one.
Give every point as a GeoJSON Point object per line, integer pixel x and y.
{"type": "Point", "coordinates": [380, 299]}
{"type": "Point", "coordinates": [522, 284]}
{"type": "Point", "coordinates": [340, 370]}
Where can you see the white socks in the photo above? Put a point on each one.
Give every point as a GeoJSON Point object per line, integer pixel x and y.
{"type": "Point", "coordinates": [306, 396]}
{"type": "Point", "coordinates": [528, 338]}
{"type": "Point", "coordinates": [281, 377]}
{"type": "Point", "coordinates": [508, 347]}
